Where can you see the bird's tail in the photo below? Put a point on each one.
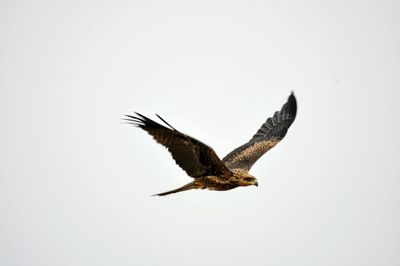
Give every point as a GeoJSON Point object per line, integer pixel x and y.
{"type": "Point", "coordinates": [191, 185]}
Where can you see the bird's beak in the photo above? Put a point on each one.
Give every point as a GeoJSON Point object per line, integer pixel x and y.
{"type": "Point", "coordinates": [256, 184]}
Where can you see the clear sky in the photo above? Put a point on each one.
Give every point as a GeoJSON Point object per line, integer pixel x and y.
{"type": "Point", "coordinates": [75, 183]}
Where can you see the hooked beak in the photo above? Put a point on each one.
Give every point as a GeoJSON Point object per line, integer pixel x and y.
{"type": "Point", "coordinates": [256, 184]}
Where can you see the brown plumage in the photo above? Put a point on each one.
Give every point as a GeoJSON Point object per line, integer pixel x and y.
{"type": "Point", "coordinates": [202, 163]}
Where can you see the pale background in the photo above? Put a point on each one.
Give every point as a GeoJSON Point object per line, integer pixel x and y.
{"type": "Point", "coordinates": [75, 183]}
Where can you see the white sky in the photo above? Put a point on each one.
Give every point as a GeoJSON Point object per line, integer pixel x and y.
{"type": "Point", "coordinates": [75, 182]}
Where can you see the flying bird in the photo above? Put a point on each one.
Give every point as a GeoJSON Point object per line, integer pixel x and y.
{"type": "Point", "coordinates": [201, 162]}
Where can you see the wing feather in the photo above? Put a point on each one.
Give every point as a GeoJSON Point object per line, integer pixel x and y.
{"type": "Point", "coordinates": [270, 133]}
{"type": "Point", "coordinates": [193, 156]}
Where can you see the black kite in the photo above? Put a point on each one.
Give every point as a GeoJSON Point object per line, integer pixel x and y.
{"type": "Point", "coordinates": [202, 163]}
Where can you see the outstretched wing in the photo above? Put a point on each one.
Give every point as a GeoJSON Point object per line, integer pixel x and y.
{"type": "Point", "coordinates": [193, 156]}
{"type": "Point", "coordinates": [270, 133]}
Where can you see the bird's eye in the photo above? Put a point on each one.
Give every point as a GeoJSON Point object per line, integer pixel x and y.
{"type": "Point", "coordinates": [248, 179]}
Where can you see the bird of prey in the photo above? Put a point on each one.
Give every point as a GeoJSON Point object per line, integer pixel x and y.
{"type": "Point", "coordinates": [202, 163]}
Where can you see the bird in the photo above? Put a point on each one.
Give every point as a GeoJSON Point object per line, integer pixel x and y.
{"type": "Point", "coordinates": [200, 161]}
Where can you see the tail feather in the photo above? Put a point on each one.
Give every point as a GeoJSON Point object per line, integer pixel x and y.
{"type": "Point", "coordinates": [189, 186]}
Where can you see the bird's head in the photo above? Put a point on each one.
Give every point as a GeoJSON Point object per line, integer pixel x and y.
{"type": "Point", "coordinates": [247, 179]}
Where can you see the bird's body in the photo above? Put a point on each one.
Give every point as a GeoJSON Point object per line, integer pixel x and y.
{"type": "Point", "coordinates": [220, 183]}
{"type": "Point", "coordinates": [202, 163]}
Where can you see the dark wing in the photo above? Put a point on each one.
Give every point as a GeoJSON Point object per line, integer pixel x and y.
{"type": "Point", "coordinates": [193, 156]}
{"type": "Point", "coordinates": [270, 133]}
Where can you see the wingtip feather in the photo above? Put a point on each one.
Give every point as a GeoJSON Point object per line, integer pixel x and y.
{"type": "Point", "coordinates": [162, 119]}
{"type": "Point", "coordinates": [291, 105]}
